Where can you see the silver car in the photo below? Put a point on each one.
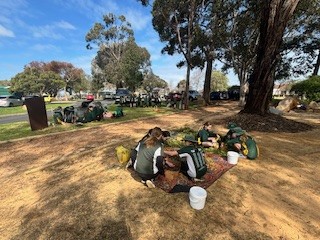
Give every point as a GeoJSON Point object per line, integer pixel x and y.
{"type": "Point", "coordinates": [10, 101]}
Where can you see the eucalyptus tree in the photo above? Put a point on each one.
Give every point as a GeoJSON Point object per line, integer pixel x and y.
{"type": "Point", "coordinates": [238, 51]}
{"type": "Point", "coordinates": [275, 15]}
{"type": "Point", "coordinates": [175, 22]}
{"type": "Point", "coordinates": [301, 48]}
{"type": "Point", "coordinates": [150, 81]}
{"type": "Point", "coordinates": [119, 59]}
{"type": "Point", "coordinates": [210, 36]}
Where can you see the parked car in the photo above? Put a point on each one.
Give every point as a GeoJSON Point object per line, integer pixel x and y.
{"type": "Point", "coordinates": [90, 97]}
{"type": "Point", "coordinates": [220, 95]}
{"type": "Point", "coordinates": [108, 95]}
{"type": "Point", "coordinates": [193, 95]}
{"type": "Point", "coordinates": [122, 93]}
{"type": "Point", "coordinates": [10, 101]}
{"type": "Point", "coordinates": [174, 96]}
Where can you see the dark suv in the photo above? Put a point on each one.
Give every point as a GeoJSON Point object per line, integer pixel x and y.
{"type": "Point", "coordinates": [122, 93]}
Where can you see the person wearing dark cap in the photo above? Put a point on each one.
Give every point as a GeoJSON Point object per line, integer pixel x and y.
{"type": "Point", "coordinates": [239, 141]}
{"type": "Point", "coordinates": [206, 137]}
{"type": "Point", "coordinates": [194, 166]}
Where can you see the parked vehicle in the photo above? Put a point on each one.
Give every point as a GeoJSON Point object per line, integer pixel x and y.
{"type": "Point", "coordinates": [220, 95]}
{"type": "Point", "coordinates": [193, 95]}
{"type": "Point", "coordinates": [108, 95]}
{"type": "Point", "coordinates": [174, 96]}
{"type": "Point", "coordinates": [10, 101]}
{"type": "Point", "coordinates": [122, 93]}
{"type": "Point", "coordinates": [90, 97]}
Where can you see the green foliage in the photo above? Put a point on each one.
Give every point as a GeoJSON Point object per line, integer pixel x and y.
{"type": "Point", "coordinates": [219, 81]}
{"type": "Point", "coordinates": [34, 80]}
{"type": "Point", "coordinates": [22, 129]}
{"type": "Point", "coordinates": [301, 42]}
{"type": "Point", "coordinates": [119, 59]}
{"type": "Point", "coordinates": [152, 81]}
{"type": "Point", "coordinates": [309, 87]}
{"type": "Point", "coordinates": [41, 77]}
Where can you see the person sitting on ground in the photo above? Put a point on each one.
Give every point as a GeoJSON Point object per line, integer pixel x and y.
{"type": "Point", "coordinates": [150, 162]}
{"type": "Point", "coordinates": [206, 137]}
{"type": "Point", "coordinates": [240, 141]}
{"type": "Point", "coordinates": [134, 151]}
{"type": "Point", "coordinates": [195, 166]}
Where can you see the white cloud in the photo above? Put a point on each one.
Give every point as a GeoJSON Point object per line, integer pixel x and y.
{"type": "Point", "coordinates": [6, 32]}
{"type": "Point", "coordinates": [91, 9]}
{"type": "Point", "coordinates": [65, 25]}
{"type": "Point", "coordinates": [45, 32]}
{"type": "Point", "coordinates": [52, 31]}
{"type": "Point", "coordinates": [137, 19]}
{"type": "Point", "coordinates": [44, 47]}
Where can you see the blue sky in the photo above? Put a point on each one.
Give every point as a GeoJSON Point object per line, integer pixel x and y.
{"type": "Point", "coordinates": [46, 30]}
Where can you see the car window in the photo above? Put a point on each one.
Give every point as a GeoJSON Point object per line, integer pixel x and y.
{"type": "Point", "coordinates": [122, 91]}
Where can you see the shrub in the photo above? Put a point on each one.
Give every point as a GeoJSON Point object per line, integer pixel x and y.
{"type": "Point", "coordinates": [309, 87]}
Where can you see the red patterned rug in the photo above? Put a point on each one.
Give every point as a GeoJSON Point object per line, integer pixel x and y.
{"type": "Point", "coordinates": [217, 166]}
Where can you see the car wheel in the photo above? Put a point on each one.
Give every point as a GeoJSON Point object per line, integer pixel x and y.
{"type": "Point", "coordinates": [11, 104]}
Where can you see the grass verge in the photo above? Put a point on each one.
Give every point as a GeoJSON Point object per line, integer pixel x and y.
{"type": "Point", "coordinates": [23, 109]}
{"type": "Point", "coordinates": [12, 131]}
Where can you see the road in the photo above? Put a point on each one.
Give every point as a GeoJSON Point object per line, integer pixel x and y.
{"type": "Point", "coordinates": [25, 117]}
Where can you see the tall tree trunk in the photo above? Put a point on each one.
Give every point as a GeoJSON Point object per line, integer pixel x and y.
{"type": "Point", "coordinates": [207, 82]}
{"type": "Point", "coordinates": [275, 15]}
{"type": "Point", "coordinates": [316, 67]}
{"type": "Point", "coordinates": [186, 92]}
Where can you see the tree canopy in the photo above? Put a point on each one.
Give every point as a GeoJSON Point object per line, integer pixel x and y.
{"type": "Point", "coordinates": [41, 77]}
{"type": "Point", "coordinates": [219, 81]}
{"type": "Point", "coordinates": [119, 59]}
{"type": "Point", "coordinates": [310, 88]}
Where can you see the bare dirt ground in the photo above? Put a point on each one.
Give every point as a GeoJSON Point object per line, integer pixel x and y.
{"type": "Point", "coordinates": [70, 185]}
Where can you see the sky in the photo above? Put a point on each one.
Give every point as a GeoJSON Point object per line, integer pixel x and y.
{"type": "Point", "coordinates": [47, 30]}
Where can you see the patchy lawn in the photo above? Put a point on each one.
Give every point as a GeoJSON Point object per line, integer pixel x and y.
{"type": "Point", "coordinates": [70, 185]}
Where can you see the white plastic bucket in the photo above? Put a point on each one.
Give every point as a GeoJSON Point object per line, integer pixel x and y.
{"type": "Point", "coordinates": [197, 197]}
{"type": "Point", "coordinates": [232, 157]}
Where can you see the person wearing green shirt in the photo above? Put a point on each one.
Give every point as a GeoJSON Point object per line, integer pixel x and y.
{"type": "Point", "coordinates": [194, 166]}
{"type": "Point", "coordinates": [206, 137]}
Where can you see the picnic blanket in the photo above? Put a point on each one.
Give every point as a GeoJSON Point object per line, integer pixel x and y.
{"type": "Point", "coordinates": [174, 181]}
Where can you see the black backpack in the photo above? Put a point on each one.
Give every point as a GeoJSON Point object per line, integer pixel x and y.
{"type": "Point", "coordinates": [68, 114]}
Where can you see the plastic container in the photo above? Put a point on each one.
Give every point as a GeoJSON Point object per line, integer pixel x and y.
{"type": "Point", "coordinates": [232, 157]}
{"type": "Point", "coordinates": [197, 197]}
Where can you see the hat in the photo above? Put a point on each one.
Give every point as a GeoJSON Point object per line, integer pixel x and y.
{"type": "Point", "coordinates": [190, 138]}
{"type": "Point", "coordinates": [232, 125]}
{"type": "Point", "coordinates": [166, 133]}
{"type": "Point", "coordinates": [238, 131]}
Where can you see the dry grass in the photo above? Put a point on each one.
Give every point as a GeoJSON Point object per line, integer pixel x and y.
{"type": "Point", "coordinates": [70, 186]}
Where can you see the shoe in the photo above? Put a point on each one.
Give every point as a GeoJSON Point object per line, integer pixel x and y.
{"type": "Point", "coordinates": [144, 182]}
{"type": "Point", "coordinates": [198, 180]}
{"type": "Point", "coordinates": [129, 163]}
{"type": "Point", "coordinates": [150, 184]}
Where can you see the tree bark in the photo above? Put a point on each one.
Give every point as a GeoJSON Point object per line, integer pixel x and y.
{"type": "Point", "coordinates": [275, 15]}
{"type": "Point", "coordinates": [207, 82]}
{"type": "Point", "coordinates": [316, 67]}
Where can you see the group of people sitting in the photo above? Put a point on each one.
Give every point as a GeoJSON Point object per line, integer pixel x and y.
{"type": "Point", "coordinates": [149, 158]}
{"type": "Point", "coordinates": [88, 111]}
